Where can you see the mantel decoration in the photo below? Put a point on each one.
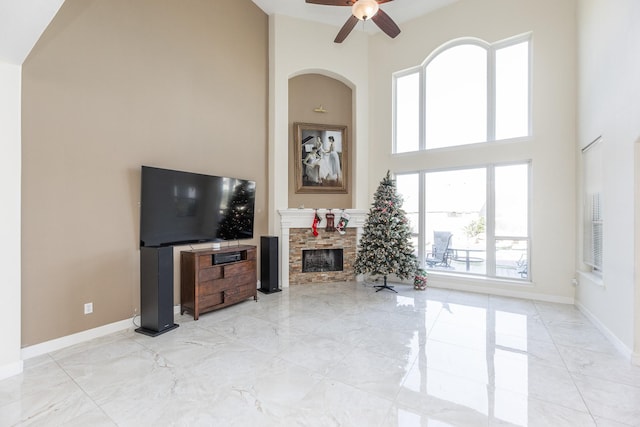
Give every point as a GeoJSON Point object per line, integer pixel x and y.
{"type": "Point", "coordinates": [385, 246]}
{"type": "Point", "coordinates": [321, 155]}
{"type": "Point", "coordinates": [316, 222]}
{"type": "Point", "coordinates": [342, 222]}
{"type": "Point", "coordinates": [330, 221]}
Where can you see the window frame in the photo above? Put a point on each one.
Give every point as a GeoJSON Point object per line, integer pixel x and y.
{"type": "Point", "coordinates": [593, 207]}
{"type": "Point", "coordinates": [491, 237]}
{"type": "Point", "coordinates": [421, 69]}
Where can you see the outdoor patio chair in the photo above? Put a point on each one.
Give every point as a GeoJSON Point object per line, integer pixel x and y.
{"type": "Point", "coordinates": [440, 255]}
{"type": "Point", "coordinates": [523, 266]}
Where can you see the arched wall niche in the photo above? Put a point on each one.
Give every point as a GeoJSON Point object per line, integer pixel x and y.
{"type": "Point", "coordinates": [310, 90]}
{"type": "Point", "coordinates": [325, 73]}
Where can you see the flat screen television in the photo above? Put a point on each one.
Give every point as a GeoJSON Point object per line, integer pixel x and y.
{"type": "Point", "coordinates": [184, 207]}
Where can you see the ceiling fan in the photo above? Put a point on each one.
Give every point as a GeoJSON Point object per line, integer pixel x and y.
{"type": "Point", "coordinates": [362, 10]}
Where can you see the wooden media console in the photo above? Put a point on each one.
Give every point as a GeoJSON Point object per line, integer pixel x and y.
{"type": "Point", "coordinates": [215, 278]}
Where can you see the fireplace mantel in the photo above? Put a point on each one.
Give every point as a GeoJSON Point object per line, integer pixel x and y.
{"type": "Point", "coordinates": [303, 218]}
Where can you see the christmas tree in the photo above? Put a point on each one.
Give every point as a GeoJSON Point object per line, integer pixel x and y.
{"type": "Point", "coordinates": [385, 246]}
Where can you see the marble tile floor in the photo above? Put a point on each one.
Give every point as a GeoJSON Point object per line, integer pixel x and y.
{"type": "Point", "coordinates": [340, 355]}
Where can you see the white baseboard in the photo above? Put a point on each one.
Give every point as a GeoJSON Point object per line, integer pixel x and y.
{"type": "Point", "coordinates": [73, 339]}
{"type": "Point", "coordinates": [619, 345]}
{"type": "Point", "coordinates": [11, 369]}
{"type": "Point", "coordinates": [80, 337]}
{"type": "Point", "coordinates": [503, 288]}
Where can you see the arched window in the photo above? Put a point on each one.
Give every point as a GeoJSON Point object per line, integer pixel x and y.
{"type": "Point", "coordinates": [466, 92]}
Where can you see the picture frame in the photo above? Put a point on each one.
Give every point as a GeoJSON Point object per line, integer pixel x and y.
{"type": "Point", "coordinates": [321, 156]}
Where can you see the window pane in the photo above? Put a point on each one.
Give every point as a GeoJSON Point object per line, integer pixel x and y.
{"type": "Point", "coordinates": [408, 188]}
{"type": "Point", "coordinates": [408, 113]}
{"type": "Point", "coordinates": [455, 203]}
{"type": "Point", "coordinates": [593, 209]}
{"type": "Point", "coordinates": [456, 97]}
{"type": "Point", "coordinates": [512, 258]}
{"type": "Point", "coordinates": [512, 200]}
{"type": "Point", "coordinates": [512, 91]}
{"type": "Point", "coordinates": [593, 229]}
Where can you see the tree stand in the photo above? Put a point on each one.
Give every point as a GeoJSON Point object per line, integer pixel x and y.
{"type": "Point", "coordinates": [385, 286]}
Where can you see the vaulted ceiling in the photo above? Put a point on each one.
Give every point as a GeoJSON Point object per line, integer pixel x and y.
{"type": "Point", "coordinates": [21, 25]}
{"type": "Point", "coordinates": [22, 22]}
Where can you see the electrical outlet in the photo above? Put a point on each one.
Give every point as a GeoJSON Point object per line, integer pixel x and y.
{"type": "Point", "coordinates": [88, 308]}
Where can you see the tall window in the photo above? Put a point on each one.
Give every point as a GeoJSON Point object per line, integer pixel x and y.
{"type": "Point", "coordinates": [467, 92]}
{"type": "Point", "coordinates": [470, 221]}
{"type": "Point", "coordinates": [593, 216]}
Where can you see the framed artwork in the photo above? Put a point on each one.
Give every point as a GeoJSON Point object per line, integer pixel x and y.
{"type": "Point", "coordinates": [321, 155]}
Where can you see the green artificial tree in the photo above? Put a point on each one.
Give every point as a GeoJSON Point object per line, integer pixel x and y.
{"type": "Point", "coordinates": [385, 246]}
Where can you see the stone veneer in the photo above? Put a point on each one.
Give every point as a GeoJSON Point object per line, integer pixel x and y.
{"type": "Point", "coordinates": [298, 221]}
{"type": "Point", "coordinates": [303, 238]}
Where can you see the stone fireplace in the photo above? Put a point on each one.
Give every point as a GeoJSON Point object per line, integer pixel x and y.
{"type": "Point", "coordinates": [298, 243]}
{"type": "Point", "coordinates": [302, 240]}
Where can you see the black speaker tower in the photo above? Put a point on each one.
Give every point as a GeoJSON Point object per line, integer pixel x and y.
{"type": "Point", "coordinates": [156, 290]}
{"type": "Point", "coordinates": [269, 264]}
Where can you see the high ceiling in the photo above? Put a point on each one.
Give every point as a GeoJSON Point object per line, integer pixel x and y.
{"type": "Point", "coordinates": [21, 24]}
{"type": "Point", "coordinates": [400, 10]}
{"type": "Point", "coordinates": [23, 21]}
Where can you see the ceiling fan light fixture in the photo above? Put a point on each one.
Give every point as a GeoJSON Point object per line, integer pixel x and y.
{"type": "Point", "coordinates": [365, 9]}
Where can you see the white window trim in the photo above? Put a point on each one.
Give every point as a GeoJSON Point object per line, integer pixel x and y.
{"type": "Point", "coordinates": [491, 49]}
{"type": "Point", "coordinates": [490, 219]}
{"type": "Point", "coordinates": [589, 259]}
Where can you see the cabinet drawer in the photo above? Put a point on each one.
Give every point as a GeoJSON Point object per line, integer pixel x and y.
{"type": "Point", "coordinates": [210, 287]}
{"type": "Point", "coordinates": [237, 294]}
{"type": "Point", "coordinates": [247, 280]}
{"type": "Point", "coordinates": [204, 261]}
{"type": "Point", "coordinates": [237, 269]}
{"type": "Point", "coordinates": [210, 273]}
{"type": "Point", "coordinates": [221, 285]}
{"type": "Point", "coordinates": [246, 291]}
{"type": "Point", "coordinates": [211, 300]}
{"type": "Point", "coordinates": [230, 294]}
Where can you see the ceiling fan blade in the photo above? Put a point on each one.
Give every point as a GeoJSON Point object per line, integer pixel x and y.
{"type": "Point", "coordinates": [386, 24]}
{"type": "Point", "coordinates": [340, 2]}
{"type": "Point", "coordinates": [346, 29]}
{"type": "Point", "coordinates": [331, 2]}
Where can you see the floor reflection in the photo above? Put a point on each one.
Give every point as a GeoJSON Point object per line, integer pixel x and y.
{"type": "Point", "coordinates": [341, 355]}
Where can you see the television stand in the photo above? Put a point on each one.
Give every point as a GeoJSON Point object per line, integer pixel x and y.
{"type": "Point", "coordinates": [211, 279]}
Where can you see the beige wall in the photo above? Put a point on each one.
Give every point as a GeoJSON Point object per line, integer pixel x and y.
{"type": "Point", "coordinates": [551, 148]}
{"type": "Point", "coordinates": [300, 47]}
{"type": "Point", "coordinates": [306, 93]}
{"type": "Point", "coordinates": [110, 86]}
